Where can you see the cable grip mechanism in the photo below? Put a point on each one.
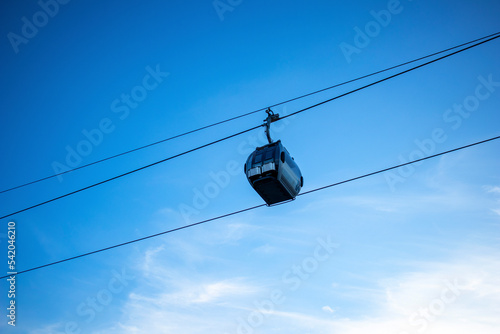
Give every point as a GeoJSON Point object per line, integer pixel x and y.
{"type": "Point", "coordinates": [271, 117]}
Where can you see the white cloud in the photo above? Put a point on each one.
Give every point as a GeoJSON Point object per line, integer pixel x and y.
{"type": "Point", "coordinates": [192, 293]}
{"type": "Point", "coordinates": [328, 309]}
{"type": "Point", "coordinates": [438, 296]}
{"type": "Point", "coordinates": [264, 249]}
{"type": "Point", "coordinates": [234, 232]}
{"type": "Point", "coordinates": [460, 296]}
{"type": "Point", "coordinates": [149, 257]}
{"type": "Point", "coordinates": [450, 198]}
{"type": "Point", "coordinates": [496, 191]}
{"type": "Point", "coordinates": [492, 189]}
{"type": "Point", "coordinates": [55, 328]}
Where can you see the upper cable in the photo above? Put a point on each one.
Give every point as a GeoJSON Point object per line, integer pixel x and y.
{"type": "Point", "coordinates": [249, 113]}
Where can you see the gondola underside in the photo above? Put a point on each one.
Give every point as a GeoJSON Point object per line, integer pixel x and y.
{"type": "Point", "coordinates": [271, 190]}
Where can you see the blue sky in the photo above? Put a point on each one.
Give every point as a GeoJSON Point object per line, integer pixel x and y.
{"type": "Point", "coordinates": [411, 251]}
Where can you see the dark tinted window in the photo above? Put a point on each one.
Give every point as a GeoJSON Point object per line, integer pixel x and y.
{"type": "Point", "coordinates": [290, 162]}
{"type": "Point", "coordinates": [269, 154]}
{"type": "Point", "coordinates": [249, 160]}
{"type": "Point", "coordinates": [258, 158]}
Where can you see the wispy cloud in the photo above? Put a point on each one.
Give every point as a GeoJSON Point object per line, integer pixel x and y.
{"type": "Point", "coordinates": [458, 296]}
{"type": "Point", "coordinates": [407, 203]}
{"type": "Point", "coordinates": [264, 249]}
{"type": "Point", "coordinates": [55, 328]}
{"type": "Point", "coordinates": [192, 293]}
{"type": "Point", "coordinates": [494, 190]}
{"type": "Point", "coordinates": [328, 309]}
{"type": "Point", "coordinates": [437, 187]}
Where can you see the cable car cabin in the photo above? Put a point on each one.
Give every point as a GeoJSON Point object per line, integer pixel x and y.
{"type": "Point", "coordinates": [273, 173]}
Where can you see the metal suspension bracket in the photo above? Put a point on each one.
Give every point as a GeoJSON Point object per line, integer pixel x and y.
{"type": "Point", "coordinates": [271, 117]}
